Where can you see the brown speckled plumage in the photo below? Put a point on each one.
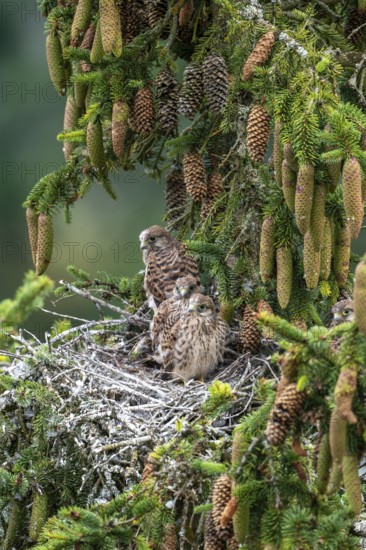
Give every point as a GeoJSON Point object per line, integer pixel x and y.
{"type": "Point", "coordinates": [166, 260]}
{"type": "Point", "coordinates": [196, 340]}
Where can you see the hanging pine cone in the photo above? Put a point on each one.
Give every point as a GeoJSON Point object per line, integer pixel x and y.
{"type": "Point", "coordinates": [167, 97]}
{"type": "Point", "coordinates": [94, 144]}
{"type": "Point", "coordinates": [215, 82]}
{"type": "Point", "coordinates": [38, 516]}
{"type": "Point", "coordinates": [304, 197]}
{"type": "Point", "coordinates": [97, 52]}
{"type": "Point", "coordinates": [206, 208]}
{"type": "Point", "coordinates": [359, 300]}
{"type": "Point", "coordinates": [284, 275]}
{"type": "Point", "coordinates": [215, 185]}
{"type": "Point", "coordinates": [175, 195]}
{"type": "Point", "coordinates": [311, 262]}
{"type": "Point", "coordinates": [87, 44]}
{"type": "Point", "coordinates": [44, 243]}
{"type": "Point", "coordinates": [133, 18]}
{"type": "Point", "coordinates": [285, 410]}
{"type": "Point", "coordinates": [259, 55]}
{"type": "Point", "coordinates": [352, 195]}
{"type": "Point", "coordinates": [249, 336]}
{"type": "Point", "coordinates": [326, 250]}
{"type": "Point", "coordinates": [342, 255]}
{"type": "Point", "coordinates": [32, 224]}
{"type": "Point", "coordinates": [352, 482]}
{"type": "Point", "coordinates": [156, 10]}
{"type": "Point", "coordinates": [267, 252]}
{"type": "Point", "coordinates": [169, 541]}
{"type": "Point", "coordinates": [108, 24]}
{"type": "Point", "coordinates": [81, 20]}
{"type": "Point", "coordinates": [71, 118]}
{"type": "Point", "coordinates": [55, 63]}
{"type": "Point", "coordinates": [257, 133]}
{"type": "Point", "coordinates": [221, 494]}
{"type": "Point", "coordinates": [194, 176]}
{"type": "Point", "coordinates": [192, 91]}
{"type": "Point", "coordinates": [119, 126]}
{"type": "Point", "coordinates": [144, 112]}
{"type": "Point", "coordinates": [212, 541]}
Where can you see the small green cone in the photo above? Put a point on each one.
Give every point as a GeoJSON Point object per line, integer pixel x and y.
{"type": "Point", "coordinates": [118, 43]}
{"type": "Point", "coordinates": [267, 249]}
{"type": "Point", "coordinates": [317, 219]}
{"type": "Point", "coordinates": [311, 262]}
{"type": "Point", "coordinates": [326, 250]}
{"type": "Point", "coordinates": [337, 437]}
{"type": "Point", "coordinates": [352, 195]}
{"type": "Point", "coordinates": [39, 515]}
{"type": "Point", "coordinates": [241, 517]}
{"type": "Point", "coordinates": [359, 296]}
{"type": "Point", "coordinates": [284, 275]}
{"type": "Point", "coordinates": [108, 24]}
{"type": "Point", "coordinates": [71, 117]}
{"type": "Point", "coordinates": [342, 255]}
{"type": "Point", "coordinates": [120, 113]}
{"type": "Point", "coordinates": [304, 197]}
{"type": "Point", "coordinates": [97, 51]}
{"type": "Point", "coordinates": [352, 483]}
{"type": "Point", "coordinates": [45, 243]}
{"type": "Point", "coordinates": [32, 223]}
{"type": "Point", "coordinates": [81, 21]}
{"type": "Point", "coordinates": [55, 63]}
{"type": "Point", "coordinates": [288, 184]}
{"type": "Point", "coordinates": [15, 527]}
{"type": "Point", "coordinates": [324, 464]}
{"type": "Point", "coordinates": [94, 144]}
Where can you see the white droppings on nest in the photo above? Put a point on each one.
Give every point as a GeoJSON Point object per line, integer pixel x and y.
{"type": "Point", "coordinates": [117, 408]}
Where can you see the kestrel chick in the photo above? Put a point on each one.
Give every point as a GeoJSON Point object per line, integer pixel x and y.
{"type": "Point", "coordinates": [169, 313]}
{"type": "Point", "coordinates": [166, 261]}
{"type": "Point", "coordinates": [342, 312]}
{"type": "Point", "coordinates": [197, 340]}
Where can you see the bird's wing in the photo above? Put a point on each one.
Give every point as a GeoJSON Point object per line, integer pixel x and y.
{"type": "Point", "coordinates": [159, 320]}
{"type": "Point", "coordinates": [172, 328]}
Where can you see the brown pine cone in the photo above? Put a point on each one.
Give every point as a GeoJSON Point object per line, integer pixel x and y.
{"type": "Point", "coordinates": [175, 195]}
{"type": "Point", "coordinates": [194, 176]}
{"type": "Point", "coordinates": [221, 494]}
{"type": "Point", "coordinates": [192, 91]}
{"type": "Point", "coordinates": [144, 112]}
{"type": "Point", "coordinates": [250, 336]}
{"type": "Point", "coordinates": [259, 55]}
{"type": "Point", "coordinates": [167, 98]}
{"type": "Point", "coordinates": [215, 82]}
{"type": "Point", "coordinates": [257, 133]}
{"type": "Point", "coordinates": [286, 409]}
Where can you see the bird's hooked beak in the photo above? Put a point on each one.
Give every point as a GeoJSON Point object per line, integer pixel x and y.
{"type": "Point", "coordinates": [184, 292]}
{"type": "Point", "coordinates": [143, 245]}
{"type": "Point", "coordinates": [192, 307]}
{"type": "Point", "coordinates": [337, 319]}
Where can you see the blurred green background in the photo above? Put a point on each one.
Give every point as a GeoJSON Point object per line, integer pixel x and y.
{"type": "Point", "coordinates": [104, 233]}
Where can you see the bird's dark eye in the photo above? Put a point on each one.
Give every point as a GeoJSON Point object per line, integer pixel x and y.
{"type": "Point", "coordinates": [346, 311]}
{"type": "Point", "coordinates": [191, 287]}
{"type": "Point", "coordinates": [152, 239]}
{"type": "Point", "coordinates": [202, 307]}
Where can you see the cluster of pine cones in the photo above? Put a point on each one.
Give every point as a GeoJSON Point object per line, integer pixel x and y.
{"type": "Point", "coordinates": [305, 195]}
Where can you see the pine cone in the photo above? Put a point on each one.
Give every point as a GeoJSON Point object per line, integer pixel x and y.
{"type": "Point", "coordinates": [119, 126]}
{"type": "Point", "coordinates": [337, 437]}
{"type": "Point", "coordinates": [38, 516]}
{"type": "Point", "coordinates": [298, 322]}
{"type": "Point", "coordinates": [323, 463]}
{"type": "Point", "coordinates": [55, 63]}
{"type": "Point", "coordinates": [87, 44]}
{"type": "Point", "coordinates": [221, 495]}
{"type": "Point", "coordinates": [81, 20]}
{"type": "Point", "coordinates": [267, 249]}
{"type": "Point", "coordinates": [241, 519]}
{"type": "Point", "coordinates": [284, 275]}
{"type": "Point", "coordinates": [285, 410]}
{"type": "Point", "coordinates": [352, 195]}
{"type": "Point", "coordinates": [304, 197]}
{"type": "Point", "coordinates": [215, 186]}
{"type": "Point", "coordinates": [167, 97]}
{"type": "Point", "coordinates": [71, 118]}
{"type": "Point", "coordinates": [257, 133]}
{"type": "Point", "coordinates": [156, 10]}
{"type": "Point", "coordinates": [215, 82]}
{"type": "Point", "coordinates": [32, 224]}
{"type": "Point", "coordinates": [342, 255]}
{"type": "Point", "coordinates": [94, 144]}
{"type": "Point", "coordinates": [259, 55]}
{"type": "Point", "coordinates": [249, 336]}
{"type": "Point", "coordinates": [326, 250]}
{"type": "Point", "coordinates": [192, 91]}
{"type": "Point", "coordinates": [133, 18]}
{"type": "Point", "coordinates": [355, 19]}
{"type": "Point", "coordinates": [108, 24]}
{"type": "Point", "coordinates": [185, 13]}
{"type": "Point", "coordinates": [175, 195]}
{"type": "Point", "coordinates": [16, 517]}
{"type": "Point", "coordinates": [194, 176]}
{"type": "Point", "coordinates": [263, 306]}
{"type": "Point", "coordinates": [97, 51]}
{"type": "Point", "coordinates": [212, 541]}
{"type": "Point", "coordinates": [317, 219]}
{"type": "Point", "coordinates": [359, 298]}
{"type": "Point", "coordinates": [206, 208]}
{"type": "Point", "coordinates": [288, 184]}
{"type": "Point", "coordinates": [169, 541]}
{"type": "Point", "coordinates": [144, 112]}
{"type": "Point", "coordinates": [352, 483]}
{"type": "Point", "coordinates": [44, 243]}
{"type": "Point", "coordinates": [311, 262]}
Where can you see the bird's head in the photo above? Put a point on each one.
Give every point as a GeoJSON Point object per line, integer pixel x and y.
{"type": "Point", "coordinates": [186, 286]}
{"type": "Point", "coordinates": [154, 238]}
{"type": "Point", "coordinates": [201, 305]}
{"type": "Point", "coordinates": [342, 312]}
